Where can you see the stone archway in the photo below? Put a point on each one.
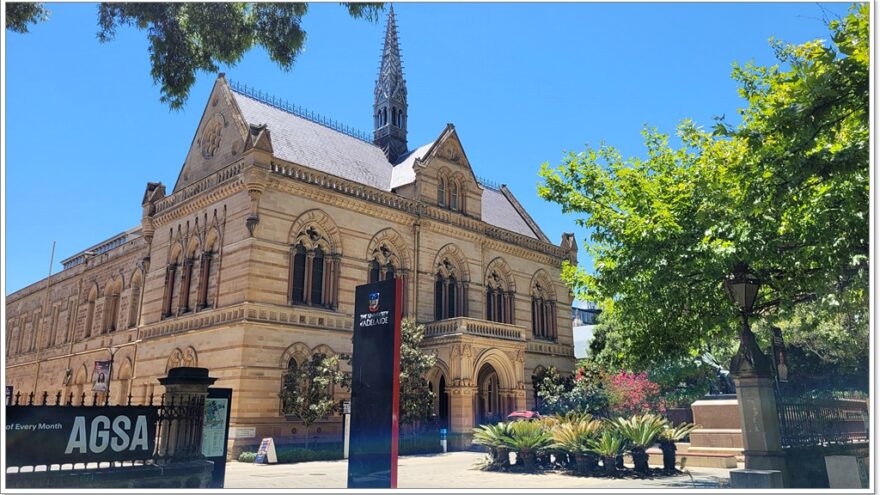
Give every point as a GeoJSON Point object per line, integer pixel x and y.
{"type": "Point", "coordinates": [437, 385]}
{"type": "Point", "coordinates": [489, 406]}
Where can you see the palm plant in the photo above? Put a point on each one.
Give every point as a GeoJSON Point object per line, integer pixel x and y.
{"type": "Point", "coordinates": [494, 438]}
{"type": "Point", "coordinates": [641, 432]}
{"type": "Point", "coordinates": [667, 439]}
{"type": "Point", "coordinates": [572, 438]}
{"type": "Point", "coordinates": [608, 446]}
{"type": "Point", "coordinates": [527, 438]}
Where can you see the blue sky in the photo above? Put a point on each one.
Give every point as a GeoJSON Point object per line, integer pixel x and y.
{"type": "Point", "coordinates": [523, 83]}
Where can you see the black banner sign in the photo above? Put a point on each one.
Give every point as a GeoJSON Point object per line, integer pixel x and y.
{"type": "Point", "coordinates": [43, 435]}
{"type": "Point", "coordinates": [375, 388]}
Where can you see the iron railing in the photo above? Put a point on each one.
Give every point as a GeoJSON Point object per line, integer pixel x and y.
{"type": "Point", "coordinates": [807, 422]}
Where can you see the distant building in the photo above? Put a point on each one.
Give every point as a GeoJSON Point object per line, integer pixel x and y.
{"type": "Point", "coordinates": [248, 265]}
{"type": "Point", "coordinates": [584, 318]}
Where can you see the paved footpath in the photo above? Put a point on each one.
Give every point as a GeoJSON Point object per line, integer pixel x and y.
{"type": "Point", "coordinates": [451, 470]}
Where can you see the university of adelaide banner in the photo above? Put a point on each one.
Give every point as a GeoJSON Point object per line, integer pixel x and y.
{"type": "Point", "coordinates": [375, 387]}
{"type": "Point", "coordinates": [41, 435]}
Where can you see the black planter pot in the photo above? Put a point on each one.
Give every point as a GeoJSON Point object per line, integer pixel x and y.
{"type": "Point", "coordinates": [527, 459]}
{"type": "Point", "coordinates": [610, 464]}
{"type": "Point", "coordinates": [586, 464]}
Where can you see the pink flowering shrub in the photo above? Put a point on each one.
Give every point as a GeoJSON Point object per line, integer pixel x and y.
{"type": "Point", "coordinates": [633, 393]}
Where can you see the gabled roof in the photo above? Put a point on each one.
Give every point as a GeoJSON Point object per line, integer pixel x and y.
{"type": "Point", "coordinates": [307, 143]}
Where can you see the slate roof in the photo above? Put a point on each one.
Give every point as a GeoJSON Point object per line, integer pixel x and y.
{"type": "Point", "coordinates": [299, 140]}
{"type": "Point", "coordinates": [498, 211]}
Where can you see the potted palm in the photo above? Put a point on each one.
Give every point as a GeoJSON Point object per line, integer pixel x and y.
{"type": "Point", "coordinates": [667, 439]}
{"type": "Point", "coordinates": [572, 438]}
{"type": "Point", "coordinates": [641, 432]}
{"type": "Point", "coordinates": [608, 446]}
{"type": "Point", "coordinates": [527, 439]}
{"type": "Point", "coordinates": [493, 437]}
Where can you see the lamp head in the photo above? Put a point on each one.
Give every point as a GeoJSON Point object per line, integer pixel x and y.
{"type": "Point", "coordinates": [742, 287]}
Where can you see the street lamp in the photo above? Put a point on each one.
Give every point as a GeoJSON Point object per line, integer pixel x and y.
{"type": "Point", "coordinates": [742, 288]}
{"type": "Point", "coordinates": [109, 378]}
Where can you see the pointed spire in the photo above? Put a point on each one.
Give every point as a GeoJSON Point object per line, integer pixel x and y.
{"type": "Point", "coordinates": [389, 105]}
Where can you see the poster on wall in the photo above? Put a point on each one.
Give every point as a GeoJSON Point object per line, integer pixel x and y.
{"type": "Point", "coordinates": [9, 391]}
{"type": "Point", "coordinates": [101, 376]}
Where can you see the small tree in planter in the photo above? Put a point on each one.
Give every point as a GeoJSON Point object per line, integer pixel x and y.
{"type": "Point", "coordinates": [667, 439]}
{"type": "Point", "coordinates": [608, 446]}
{"type": "Point", "coordinates": [494, 437]}
{"type": "Point", "coordinates": [306, 392]}
{"type": "Point", "coordinates": [574, 438]}
{"type": "Point", "coordinates": [527, 438]}
{"type": "Point", "coordinates": [640, 431]}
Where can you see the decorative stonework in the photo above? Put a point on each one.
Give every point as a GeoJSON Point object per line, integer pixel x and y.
{"type": "Point", "coordinates": [212, 134]}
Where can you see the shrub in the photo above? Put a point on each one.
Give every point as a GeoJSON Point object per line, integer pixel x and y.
{"type": "Point", "coordinates": [494, 437]}
{"type": "Point", "coordinates": [608, 446]}
{"type": "Point", "coordinates": [527, 439]}
{"type": "Point", "coordinates": [633, 393]}
{"type": "Point", "coordinates": [667, 439]}
{"type": "Point", "coordinates": [290, 454]}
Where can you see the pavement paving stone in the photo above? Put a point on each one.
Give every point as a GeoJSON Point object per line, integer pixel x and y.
{"type": "Point", "coordinates": [451, 470]}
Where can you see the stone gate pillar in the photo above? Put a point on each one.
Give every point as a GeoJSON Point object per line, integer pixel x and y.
{"type": "Point", "coordinates": [182, 413]}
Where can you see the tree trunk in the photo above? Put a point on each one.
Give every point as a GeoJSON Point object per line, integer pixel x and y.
{"type": "Point", "coordinates": [668, 449]}
{"type": "Point", "coordinates": [610, 464]}
{"type": "Point", "coordinates": [528, 460]}
{"type": "Point", "coordinates": [640, 460]}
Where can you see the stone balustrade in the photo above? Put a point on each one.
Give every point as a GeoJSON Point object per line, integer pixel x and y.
{"type": "Point", "coordinates": [473, 326]}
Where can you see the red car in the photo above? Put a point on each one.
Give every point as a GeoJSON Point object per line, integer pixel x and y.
{"type": "Point", "coordinates": [524, 415]}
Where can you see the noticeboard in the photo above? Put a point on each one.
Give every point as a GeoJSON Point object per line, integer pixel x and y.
{"type": "Point", "coordinates": [375, 388]}
{"type": "Point", "coordinates": [215, 434]}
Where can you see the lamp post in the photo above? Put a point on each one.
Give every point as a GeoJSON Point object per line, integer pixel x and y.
{"type": "Point", "coordinates": [109, 378]}
{"type": "Point", "coordinates": [742, 288]}
{"type": "Point", "coordinates": [752, 374]}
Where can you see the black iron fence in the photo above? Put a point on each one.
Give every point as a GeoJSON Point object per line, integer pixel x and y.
{"type": "Point", "coordinates": [52, 423]}
{"type": "Point", "coordinates": [807, 422]}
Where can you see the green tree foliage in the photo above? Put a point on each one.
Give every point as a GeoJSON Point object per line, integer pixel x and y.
{"type": "Point", "coordinates": [307, 389]}
{"type": "Point", "coordinates": [785, 190]}
{"type": "Point", "coordinates": [19, 15]}
{"type": "Point", "coordinates": [583, 393]}
{"type": "Point", "coordinates": [416, 399]}
{"type": "Point", "coordinates": [189, 37]}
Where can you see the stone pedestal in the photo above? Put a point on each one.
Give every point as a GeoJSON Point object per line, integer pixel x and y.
{"type": "Point", "coordinates": [180, 420]}
{"type": "Point", "coordinates": [846, 471]}
{"type": "Point", "coordinates": [760, 424]}
{"type": "Point", "coordinates": [755, 478]}
{"type": "Point", "coordinates": [720, 424]}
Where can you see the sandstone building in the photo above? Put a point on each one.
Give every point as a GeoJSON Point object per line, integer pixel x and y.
{"type": "Point", "coordinates": [249, 265]}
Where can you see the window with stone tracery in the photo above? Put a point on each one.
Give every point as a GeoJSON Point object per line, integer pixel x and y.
{"type": "Point", "coordinates": [543, 313]}
{"type": "Point", "coordinates": [450, 292]}
{"type": "Point", "coordinates": [499, 298]}
{"type": "Point", "coordinates": [314, 269]}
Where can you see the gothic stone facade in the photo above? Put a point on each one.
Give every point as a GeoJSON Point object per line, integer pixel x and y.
{"type": "Point", "coordinates": [250, 265]}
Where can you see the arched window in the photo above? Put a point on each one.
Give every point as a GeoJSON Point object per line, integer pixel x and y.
{"type": "Point", "coordinates": [111, 306]}
{"type": "Point", "coordinates": [314, 269]}
{"type": "Point", "coordinates": [134, 303]}
{"type": "Point", "coordinates": [394, 115]}
{"type": "Point", "coordinates": [53, 327]}
{"type": "Point", "coordinates": [441, 192]}
{"type": "Point", "coordinates": [170, 281]}
{"type": "Point", "coordinates": [90, 312]}
{"type": "Point", "coordinates": [450, 294]}
{"type": "Point", "coordinates": [543, 314]}
{"type": "Point", "coordinates": [499, 293]}
{"type": "Point", "coordinates": [374, 272]}
{"type": "Point", "coordinates": [453, 195]}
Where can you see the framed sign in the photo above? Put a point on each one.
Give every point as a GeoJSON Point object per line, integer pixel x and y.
{"type": "Point", "coordinates": [41, 435]}
{"type": "Point", "coordinates": [215, 434]}
{"type": "Point", "coordinates": [266, 452]}
{"type": "Point", "coordinates": [375, 388]}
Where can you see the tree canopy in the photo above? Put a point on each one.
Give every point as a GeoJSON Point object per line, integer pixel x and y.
{"type": "Point", "coordinates": [784, 190]}
{"type": "Point", "coordinates": [189, 37]}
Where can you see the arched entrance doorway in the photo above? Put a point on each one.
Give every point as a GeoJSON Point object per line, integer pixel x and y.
{"type": "Point", "coordinates": [488, 396]}
{"type": "Point", "coordinates": [437, 385]}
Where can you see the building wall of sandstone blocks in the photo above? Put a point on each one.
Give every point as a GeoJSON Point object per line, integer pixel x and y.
{"type": "Point", "coordinates": [238, 211]}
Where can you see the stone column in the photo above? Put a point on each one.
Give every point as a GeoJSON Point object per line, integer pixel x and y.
{"type": "Point", "coordinates": [182, 412]}
{"type": "Point", "coordinates": [461, 413]}
{"type": "Point", "coordinates": [751, 372]}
